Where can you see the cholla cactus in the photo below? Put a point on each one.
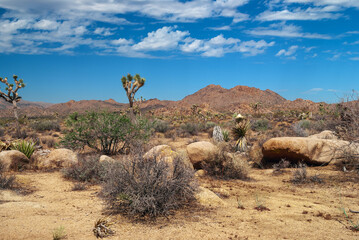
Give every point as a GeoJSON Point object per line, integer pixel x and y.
{"type": "Point", "coordinates": [10, 94]}
{"type": "Point", "coordinates": [131, 86]}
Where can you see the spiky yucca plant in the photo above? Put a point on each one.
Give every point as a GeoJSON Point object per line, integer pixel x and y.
{"type": "Point", "coordinates": [225, 135]}
{"type": "Point", "coordinates": [239, 132]}
{"type": "Point", "coordinates": [26, 147]}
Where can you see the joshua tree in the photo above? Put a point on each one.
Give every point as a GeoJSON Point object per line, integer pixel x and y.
{"type": "Point", "coordinates": [131, 86]}
{"type": "Point", "coordinates": [10, 95]}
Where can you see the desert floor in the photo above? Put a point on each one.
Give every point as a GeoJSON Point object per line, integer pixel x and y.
{"type": "Point", "coordinates": [310, 211]}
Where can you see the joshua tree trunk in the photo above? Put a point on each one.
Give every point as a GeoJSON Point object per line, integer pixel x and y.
{"type": "Point", "coordinates": [16, 118]}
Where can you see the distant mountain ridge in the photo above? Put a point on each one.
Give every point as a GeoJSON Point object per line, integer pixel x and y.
{"type": "Point", "coordinates": [212, 96]}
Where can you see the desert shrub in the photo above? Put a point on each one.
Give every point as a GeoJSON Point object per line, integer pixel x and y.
{"type": "Point", "coordinates": [22, 134]}
{"type": "Point", "coordinates": [2, 132]}
{"type": "Point", "coordinates": [190, 128]}
{"type": "Point", "coordinates": [278, 168]}
{"type": "Point", "coordinates": [79, 186]}
{"type": "Point", "coordinates": [260, 125]}
{"type": "Point", "coordinates": [59, 233]}
{"type": "Point", "coordinates": [209, 125]}
{"type": "Point", "coordinates": [227, 165]}
{"type": "Point", "coordinates": [6, 182]}
{"type": "Point", "coordinates": [88, 169]}
{"type": "Point", "coordinates": [226, 137]}
{"type": "Point", "coordinates": [301, 128]}
{"type": "Point", "coordinates": [49, 141]}
{"type": "Point", "coordinates": [300, 175]}
{"type": "Point", "coordinates": [150, 187]}
{"type": "Point", "coordinates": [108, 133]}
{"type": "Point", "coordinates": [45, 125]}
{"type": "Point", "coordinates": [26, 147]}
{"type": "Point", "coordinates": [161, 126]}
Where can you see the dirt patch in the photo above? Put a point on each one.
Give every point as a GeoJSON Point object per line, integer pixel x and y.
{"type": "Point", "coordinates": [296, 212]}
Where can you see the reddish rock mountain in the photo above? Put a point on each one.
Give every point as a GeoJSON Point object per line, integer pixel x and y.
{"type": "Point", "coordinates": [86, 105]}
{"type": "Point", "coordinates": [224, 99]}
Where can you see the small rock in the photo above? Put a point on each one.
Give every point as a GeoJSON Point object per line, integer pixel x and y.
{"type": "Point", "coordinates": [208, 198]}
{"type": "Point", "coordinates": [13, 160]}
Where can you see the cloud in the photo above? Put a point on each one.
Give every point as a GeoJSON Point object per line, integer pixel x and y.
{"type": "Point", "coordinates": [354, 58]}
{"type": "Point", "coordinates": [121, 41]}
{"type": "Point", "coordinates": [333, 3]}
{"type": "Point", "coordinates": [45, 24]}
{"type": "Point", "coordinates": [297, 14]}
{"type": "Point", "coordinates": [223, 28]}
{"type": "Point", "coordinates": [169, 10]}
{"type": "Point", "coordinates": [104, 31]}
{"type": "Point", "coordinates": [219, 46]}
{"type": "Point", "coordinates": [162, 39]}
{"type": "Point", "coordinates": [284, 30]}
{"type": "Point", "coordinates": [291, 50]}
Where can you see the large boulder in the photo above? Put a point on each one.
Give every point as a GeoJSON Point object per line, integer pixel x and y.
{"type": "Point", "coordinates": [165, 153]}
{"type": "Point", "coordinates": [327, 134]}
{"type": "Point", "coordinates": [13, 160]}
{"type": "Point", "coordinates": [310, 150]}
{"type": "Point", "coordinates": [199, 152]}
{"type": "Point", "coordinates": [58, 158]}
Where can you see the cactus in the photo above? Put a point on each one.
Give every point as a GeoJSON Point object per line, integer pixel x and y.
{"type": "Point", "coordinates": [10, 95]}
{"type": "Point", "coordinates": [131, 86]}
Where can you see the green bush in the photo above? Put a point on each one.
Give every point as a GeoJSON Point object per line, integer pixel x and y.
{"type": "Point", "coordinates": [191, 128]}
{"type": "Point", "coordinates": [26, 147]}
{"type": "Point", "coordinates": [161, 126]}
{"type": "Point", "coordinates": [150, 187]}
{"type": "Point", "coordinates": [210, 125]}
{"type": "Point", "coordinates": [109, 133]}
{"type": "Point", "coordinates": [45, 125]}
{"type": "Point", "coordinates": [305, 124]}
{"type": "Point", "coordinates": [260, 125]}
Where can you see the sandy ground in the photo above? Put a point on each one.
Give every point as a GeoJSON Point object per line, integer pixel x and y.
{"type": "Point", "coordinates": [310, 211]}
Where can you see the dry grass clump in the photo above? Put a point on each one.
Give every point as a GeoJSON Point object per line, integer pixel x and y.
{"type": "Point", "coordinates": [227, 165]}
{"type": "Point", "coordinates": [278, 168]}
{"type": "Point", "coordinates": [45, 125]}
{"type": "Point", "coordinates": [79, 186]}
{"type": "Point", "coordinates": [88, 169]}
{"type": "Point", "coordinates": [300, 176]}
{"type": "Point", "coordinates": [102, 228]}
{"type": "Point", "coordinates": [2, 132]}
{"type": "Point", "coordinates": [149, 188]}
{"type": "Point", "coordinates": [59, 233]}
{"type": "Point", "coordinates": [6, 182]}
{"type": "Point", "coordinates": [49, 141]}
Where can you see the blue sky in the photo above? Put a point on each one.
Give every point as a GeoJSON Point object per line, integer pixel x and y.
{"type": "Point", "coordinates": [80, 49]}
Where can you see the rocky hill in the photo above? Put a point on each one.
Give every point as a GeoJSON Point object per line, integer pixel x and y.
{"type": "Point", "coordinates": [220, 98]}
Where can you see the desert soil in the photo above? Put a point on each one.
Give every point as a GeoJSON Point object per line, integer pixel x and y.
{"type": "Point", "coordinates": [310, 211]}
